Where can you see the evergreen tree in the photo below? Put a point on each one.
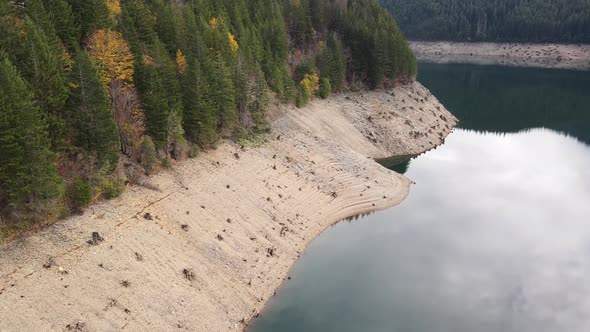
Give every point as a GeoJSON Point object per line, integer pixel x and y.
{"type": "Point", "coordinates": [325, 88]}
{"type": "Point", "coordinates": [64, 22]}
{"type": "Point", "coordinates": [331, 62]}
{"type": "Point", "coordinates": [27, 174]}
{"type": "Point", "coordinates": [224, 94]}
{"type": "Point", "coordinates": [561, 21]}
{"type": "Point", "coordinates": [45, 72]}
{"type": "Point", "coordinates": [90, 15]}
{"type": "Point", "coordinates": [200, 120]}
{"type": "Point", "coordinates": [91, 114]}
{"type": "Point", "coordinates": [158, 85]}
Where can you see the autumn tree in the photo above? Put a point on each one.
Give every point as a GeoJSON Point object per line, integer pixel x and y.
{"type": "Point", "coordinates": [112, 55]}
{"type": "Point", "coordinates": [114, 60]}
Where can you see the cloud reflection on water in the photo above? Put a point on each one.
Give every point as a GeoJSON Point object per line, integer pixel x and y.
{"type": "Point", "coordinates": [495, 236]}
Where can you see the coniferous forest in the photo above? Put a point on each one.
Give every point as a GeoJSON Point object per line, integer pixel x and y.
{"type": "Point", "coordinates": [95, 94]}
{"type": "Point", "coordinates": [559, 21]}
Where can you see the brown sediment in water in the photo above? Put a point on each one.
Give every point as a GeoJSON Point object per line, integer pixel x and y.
{"type": "Point", "coordinates": [206, 251]}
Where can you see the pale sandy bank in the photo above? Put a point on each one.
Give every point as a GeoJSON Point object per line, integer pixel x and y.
{"type": "Point", "coordinates": [206, 251]}
{"type": "Point", "coordinates": [572, 56]}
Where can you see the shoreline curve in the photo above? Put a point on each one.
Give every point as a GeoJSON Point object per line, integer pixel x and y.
{"type": "Point", "coordinates": [209, 248]}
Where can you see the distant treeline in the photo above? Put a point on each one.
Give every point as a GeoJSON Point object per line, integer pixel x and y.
{"type": "Point", "coordinates": [96, 93]}
{"type": "Point", "coordinates": [560, 21]}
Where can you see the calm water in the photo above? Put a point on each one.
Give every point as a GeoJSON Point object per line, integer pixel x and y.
{"type": "Point", "coordinates": [495, 235]}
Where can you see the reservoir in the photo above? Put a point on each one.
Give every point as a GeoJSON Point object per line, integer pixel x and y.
{"type": "Point", "coordinates": [494, 236]}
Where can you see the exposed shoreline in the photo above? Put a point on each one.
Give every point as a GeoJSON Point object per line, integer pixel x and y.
{"type": "Point", "coordinates": [559, 56]}
{"type": "Point", "coordinates": [248, 214]}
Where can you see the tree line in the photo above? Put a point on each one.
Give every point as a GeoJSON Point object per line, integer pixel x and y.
{"type": "Point", "coordinates": [559, 21]}
{"type": "Point", "coordinates": [97, 93]}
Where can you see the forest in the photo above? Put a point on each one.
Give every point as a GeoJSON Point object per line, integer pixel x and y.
{"type": "Point", "coordinates": [99, 94]}
{"type": "Point", "coordinates": [557, 21]}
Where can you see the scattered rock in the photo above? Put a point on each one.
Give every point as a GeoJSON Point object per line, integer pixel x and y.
{"type": "Point", "coordinates": [49, 263]}
{"type": "Point", "coordinates": [96, 239]}
{"type": "Point", "coordinates": [188, 274]}
{"type": "Point", "coordinates": [270, 252]}
{"type": "Point", "coordinates": [78, 326]}
{"type": "Point", "coordinates": [283, 231]}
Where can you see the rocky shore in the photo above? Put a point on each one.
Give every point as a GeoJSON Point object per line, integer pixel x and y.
{"type": "Point", "coordinates": [560, 56]}
{"type": "Point", "coordinates": [208, 248]}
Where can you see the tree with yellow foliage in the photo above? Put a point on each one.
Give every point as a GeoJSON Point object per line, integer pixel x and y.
{"type": "Point", "coordinates": [114, 61]}
{"type": "Point", "coordinates": [114, 8]}
{"type": "Point", "coordinates": [233, 44]}
{"type": "Point", "coordinates": [180, 62]}
{"type": "Point", "coordinates": [112, 56]}
{"type": "Point", "coordinates": [308, 87]}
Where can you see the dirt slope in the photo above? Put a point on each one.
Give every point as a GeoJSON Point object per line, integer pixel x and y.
{"type": "Point", "coordinates": [207, 250]}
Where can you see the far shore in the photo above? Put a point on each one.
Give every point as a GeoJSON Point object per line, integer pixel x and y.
{"type": "Point", "coordinates": [559, 56]}
{"type": "Point", "coordinates": [209, 247]}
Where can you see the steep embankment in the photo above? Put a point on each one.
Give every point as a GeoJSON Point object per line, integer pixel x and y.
{"type": "Point", "coordinates": [207, 250]}
{"type": "Point", "coordinates": [561, 56]}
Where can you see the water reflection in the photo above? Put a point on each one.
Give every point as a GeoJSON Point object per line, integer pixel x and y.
{"type": "Point", "coordinates": [491, 239]}
{"type": "Point", "coordinates": [495, 235]}
{"type": "Point", "coordinates": [507, 99]}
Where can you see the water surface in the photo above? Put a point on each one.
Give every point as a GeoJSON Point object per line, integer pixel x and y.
{"type": "Point", "coordinates": [495, 235]}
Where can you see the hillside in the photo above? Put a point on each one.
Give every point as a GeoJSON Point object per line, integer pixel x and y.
{"type": "Point", "coordinates": [557, 21]}
{"type": "Point", "coordinates": [209, 249]}
{"type": "Point", "coordinates": [97, 94]}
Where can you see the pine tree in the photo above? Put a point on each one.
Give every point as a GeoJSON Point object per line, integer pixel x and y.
{"type": "Point", "coordinates": [224, 93]}
{"type": "Point", "coordinates": [64, 22]}
{"type": "Point", "coordinates": [9, 37]}
{"type": "Point", "coordinates": [165, 25]}
{"type": "Point", "coordinates": [158, 85]}
{"type": "Point", "coordinates": [91, 113]}
{"type": "Point", "coordinates": [27, 174]}
{"type": "Point", "coordinates": [331, 62]}
{"type": "Point", "coordinates": [90, 15]}
{"type": "Point", "coordinates": [325, 88]}
{"type": "Point", "coordinates": [257, 107]}
{"type": "Point", "coordinates": [45, 71]}
{"type": "Point", "coordinates": [200, 120]}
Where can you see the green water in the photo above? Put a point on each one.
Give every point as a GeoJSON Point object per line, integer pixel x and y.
{"type": "Point", "coordinates": [495, 235]}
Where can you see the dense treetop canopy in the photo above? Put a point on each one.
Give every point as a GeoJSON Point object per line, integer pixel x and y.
{"type": "Point", "coordinates": [560, 21]}
{"type": "Point", "coordinates": [101, 92]}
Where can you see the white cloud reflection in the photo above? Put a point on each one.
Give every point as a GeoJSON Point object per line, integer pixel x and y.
{"type": "Point", "coordinates": [494, 237]}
